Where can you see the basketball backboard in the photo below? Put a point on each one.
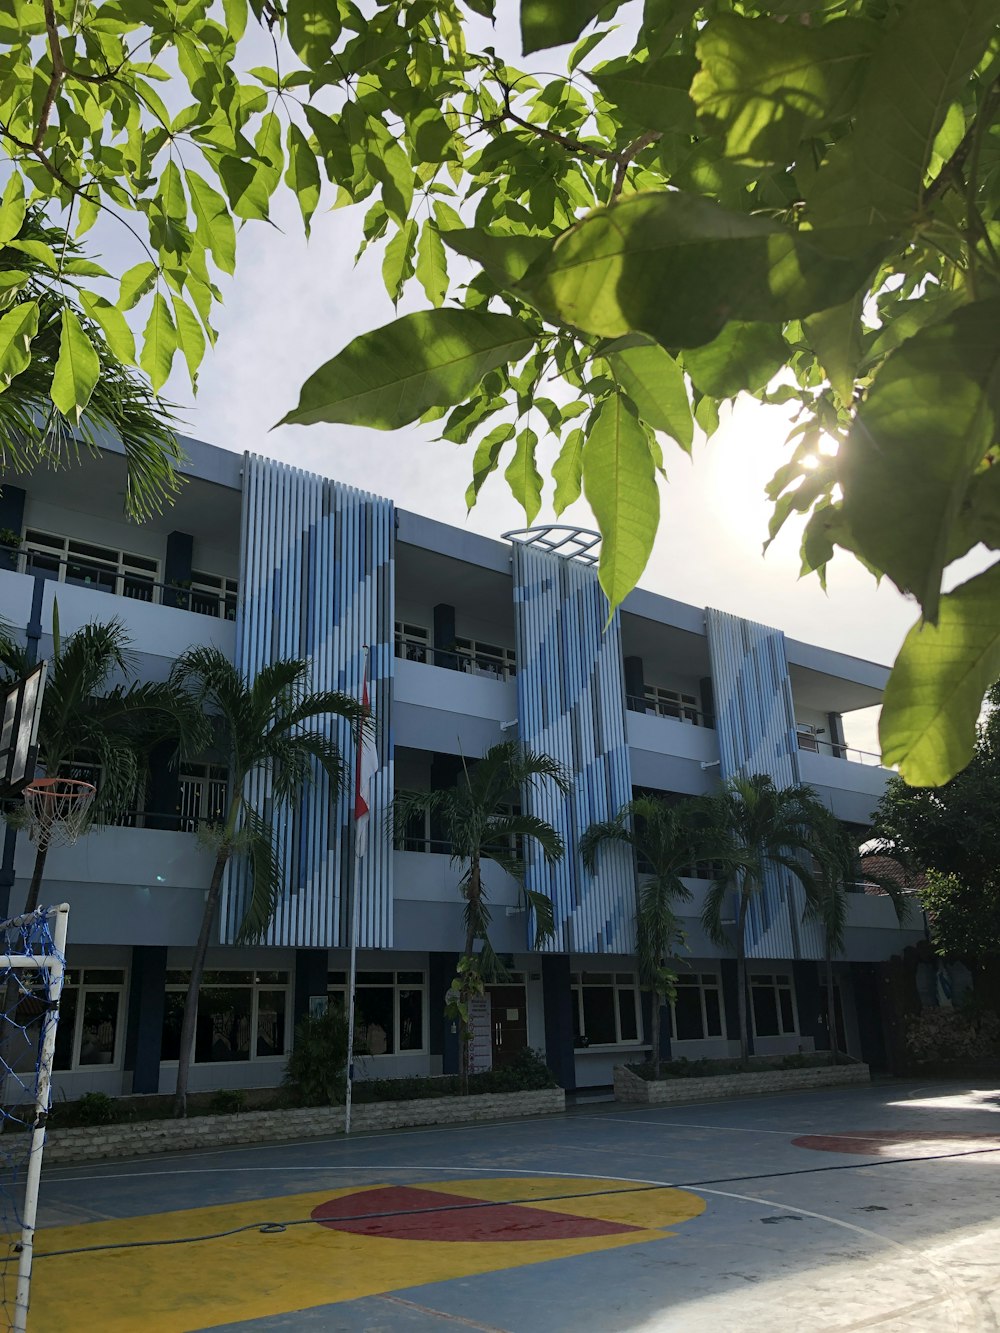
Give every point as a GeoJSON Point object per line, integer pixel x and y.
{"type": "Point", "coordinates": [22, 708]}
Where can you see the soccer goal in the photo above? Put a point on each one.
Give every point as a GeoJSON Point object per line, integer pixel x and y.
{"type": "Point", "coordinates": [32, 971]}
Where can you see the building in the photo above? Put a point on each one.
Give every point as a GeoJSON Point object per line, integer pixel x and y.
{"type": "Point", "coordinates": [471, 640]}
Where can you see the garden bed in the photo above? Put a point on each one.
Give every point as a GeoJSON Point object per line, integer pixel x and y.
{"type": "Point", "coordinates": [631, 1087]}
{"type": "Point", "coordinates": [142, 1137]}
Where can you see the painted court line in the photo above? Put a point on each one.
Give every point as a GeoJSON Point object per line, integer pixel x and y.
{"type": "Point", "coordinates": [721, 1129]}
{"type": "Point", "coordinates": [441, 1314]}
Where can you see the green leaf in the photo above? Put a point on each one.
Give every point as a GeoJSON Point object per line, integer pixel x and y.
{"type": "Point", "coordinates": [553, 22]}
{"type": "Point", "coordinates": [112, 324]}
{"type": "Point", "coordinates": [190, 337]}
{"type": "Point", "coordinates": [743, 357]}
{"type": "Point", "coordinates": [313, 29]}
{"type": "Point", "coordinates": [214, 227]}
{"type": "Point", "coordinates": [876, 175]}
{"type": "Point", "coordinates": [653, 93]}
{"type": "Point", "coordinates": [135, 284]}
{"type": "Point", "coordinates": [486, 458]}
{"type": "Point", "coordinates": [655, 383]}
{"type": "Point", "coordinates": [390, 165]}
{"type": "Point", "coordinates": [17, 328]}
{"type": "Point", "coordinates": [37, 250]}
{"type": "Point", "coordinates": [236, 17]}
{"type": "Point", "coordinates": [505, 258]}
{"type": "Point", "coordinates": [836, 336]}
{"type": "Point", "coordinates": [159, 343]}
{"type": "Point", "coordinates": [391, 376]}
{"type": "Point", "coordinates": [706, 414]}
{"type": "Point", "coordinates": [567, 471]}
{"type": "Point", "coordinates": [432, 264]}
{"type": "Point", "coordinates": [523, 477]}
{"type": "Point", "coordinates": [397, 265]}
{"type": "Point", "coordinates": [935, 692]}
{"type": "Point", "coordinates": [77, 369]}
{"type": "Point", "coordinates": [928, 421]}
{"type": "Point", "coordinates": [12, 209]}
{"type": "Point", "coordinates": [620, 485]}
{"type": "Point", "coordinates": [764, 86]}
{"type": "Point", "coordinates": [608, 274]}
{"type": "Point", "coordinates": [302, 175]}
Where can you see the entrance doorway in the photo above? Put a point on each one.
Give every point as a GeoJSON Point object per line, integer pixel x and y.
{"type": "Point", "coordinates": [509, 1014]}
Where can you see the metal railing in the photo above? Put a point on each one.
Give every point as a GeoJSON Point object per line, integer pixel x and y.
{"type": "Point", "coordinates": [817, 745]}
{"type": "Point", "coordinates": [80, 572]}
{"type": "Point", "coordinates": [454, 659]}
{"type": "Point", "coordinates": [679, 712]}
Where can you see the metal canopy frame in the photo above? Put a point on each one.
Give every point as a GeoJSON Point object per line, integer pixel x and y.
{"type": "Point", "coordinates": [561, 539]}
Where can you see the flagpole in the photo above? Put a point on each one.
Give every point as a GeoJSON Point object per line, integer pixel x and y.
{"type": "Point", "coordinates": [355, 897]}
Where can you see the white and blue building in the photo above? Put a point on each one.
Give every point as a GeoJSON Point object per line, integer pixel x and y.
{"type": "Point", "coordinates": [471, 641]}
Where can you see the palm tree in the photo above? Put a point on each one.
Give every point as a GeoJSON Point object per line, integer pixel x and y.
{"type": "Point", "coordinates": [477, 822]}
{"type": "Point", "coordinates": [667, 841]}
{"type": "Point", "coordinates": [763, 826]}
{"type": "Point", "coordinates": [272, 724]}
{"type": "Point", "coordinates": [836, 856]}
{"type": "Point", "coordinates": [96, 718]}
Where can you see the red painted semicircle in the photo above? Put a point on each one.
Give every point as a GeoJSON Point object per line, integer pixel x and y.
{"type": "Point", "coordinates": [406, 1212]}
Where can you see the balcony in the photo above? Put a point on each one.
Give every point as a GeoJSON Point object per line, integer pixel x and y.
{"type": "Point", "coordinates": [444, 702]}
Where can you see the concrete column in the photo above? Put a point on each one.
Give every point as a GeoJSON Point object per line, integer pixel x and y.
{"type": "Point", "coordinates": [810, 1002]}
{"type": "Point", "coordinates": [144, 1028]}
{"type": "Point", "coordinates": [727, 968]}
{"type": "Point", "coordinates": [835, 727]}
{"type": "Point", "coordinates": [177, 569]}
{"type": "Point", "coordinates": [12, 500]}
{"type": "Point", "coordinates": [444, 636]}
{"type": "Point", "coordinates": [635, 684]}
{"type": "Point", "coordinates": [164, 797]}
{"type": "Point", "coordinates": [707, 701]}
{"type": "Point", "coordinates": [557, 996]}
{"type": "Point", "coordinates": [311, 967]}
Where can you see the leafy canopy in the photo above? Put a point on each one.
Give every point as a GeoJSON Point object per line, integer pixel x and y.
{"type": "Point", "coordinates": [797, 201]}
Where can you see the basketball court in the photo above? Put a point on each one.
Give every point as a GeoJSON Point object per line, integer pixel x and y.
{"type": "Point", "coordinates": [848, 1209]}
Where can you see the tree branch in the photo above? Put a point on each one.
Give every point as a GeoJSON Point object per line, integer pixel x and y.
{"type": "Point", "coordinates": [627, 156]}
{"type": "Point", "coordinates": [58, 72]}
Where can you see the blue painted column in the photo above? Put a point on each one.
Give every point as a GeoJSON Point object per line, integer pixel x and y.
{"type": "Point", "coordinates": [317, 583]}
{"type": "Point", "coordinates": [571, 705]}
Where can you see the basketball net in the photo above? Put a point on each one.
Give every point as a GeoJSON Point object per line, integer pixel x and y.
{"type": "Point", "coordinates": [58, 810]}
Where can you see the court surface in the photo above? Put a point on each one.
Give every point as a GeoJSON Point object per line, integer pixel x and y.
{"type": "Point", "coordinates": [856, 1208]}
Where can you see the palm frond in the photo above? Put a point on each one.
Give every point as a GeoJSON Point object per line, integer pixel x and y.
{"type": "Point", "coordinates": [599, 834]}
{"type": "Point", "coordinates": [711, 914]}
{"type": "Point", "coordinates": [502, 827]}
{"type": "Point", "coordinates": [545, 915]}
{"type": "Point", "coordinates": [265, 879]}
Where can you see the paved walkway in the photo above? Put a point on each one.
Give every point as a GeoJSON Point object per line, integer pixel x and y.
{"type": "Point", "coordinates": [861, 1208]}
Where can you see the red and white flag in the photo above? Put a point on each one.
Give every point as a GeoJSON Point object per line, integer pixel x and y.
{"type": "Point", "coordinates": [366, 767]}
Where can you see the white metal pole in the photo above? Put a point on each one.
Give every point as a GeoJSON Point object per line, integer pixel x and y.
{"type": "Point", "coordinates": [355, 913]}
{"type": "Point", "coordinates": [50, 1021]}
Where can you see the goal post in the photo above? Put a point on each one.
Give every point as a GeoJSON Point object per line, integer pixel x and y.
{"type": "Point", "coordinates": [32, 973]}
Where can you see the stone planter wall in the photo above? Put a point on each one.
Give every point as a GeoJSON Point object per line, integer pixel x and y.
{"type": "Point", "coordinates": [630, 1087]}
{"type": "Point", "coordinates": [216, 1131]}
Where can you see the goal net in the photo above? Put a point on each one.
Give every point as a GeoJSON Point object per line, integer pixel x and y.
{"type": "Point", "coordinates": [32, 970]}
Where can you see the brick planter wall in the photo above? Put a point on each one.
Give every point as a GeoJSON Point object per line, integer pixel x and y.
{"type": "Point", "coordinates": [217, 1131]}
{"type": "Point", "coordinates": [630, 1087]}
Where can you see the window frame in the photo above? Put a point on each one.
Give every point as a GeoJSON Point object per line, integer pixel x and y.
{"type": "Point", "coordinates": [221, 588]}
{"type": "Point", "coordinates": [409, 635]}
{"type": "Point", "coordinates": [672, 703]}
{"type": "Point", "coordinates": [340, 990]}
{"type": "Point", "coordinates": [82, 988]}
{"type": "Point", "coordinates": [577, 988]}
{"type": "Point", "coordinates": [255, 987]}
{"type": "Point", "coordinates": [120, 565]}
{"type": "Point", "coordinates": [468, 651]}
{"type": "Point", "coordinates": [715, 983]}
{"type": "Point", "coordinates": [758, 980]}
{"type": "Point", "coordinates": [211, 778]}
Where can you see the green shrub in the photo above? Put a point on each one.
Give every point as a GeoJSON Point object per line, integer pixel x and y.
{"type": "Point", "coordinates": [317, 1067]}
{"type": "Point", "coordinates": [96, 1108]}
{"type": "Point", "coordinates": [526, 1073]}
{"type": "Point", "coordinates": [228, 1101]}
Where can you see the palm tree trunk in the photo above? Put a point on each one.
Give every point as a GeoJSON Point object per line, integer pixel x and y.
{"type": "Point", "coordinates": [194, 985]}
{"type": "Point", "coordinates": [37, 875]}
{"type": "Point", "coordinates": [657, 1001]}
{"type": "Point", "coordinates": [465, 1034]}
{"type": "Point", "coordinates": [831, 1009]}
{"type": "Point", "coordinates": [741, 979]}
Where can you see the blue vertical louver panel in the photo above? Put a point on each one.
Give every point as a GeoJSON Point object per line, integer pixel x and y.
{"type": "Point", "coordinates": [755, 720]}
{"type": "Point", "coordinates": [316, 582]}
{"type": "Point", "coordinates": [571, 704]}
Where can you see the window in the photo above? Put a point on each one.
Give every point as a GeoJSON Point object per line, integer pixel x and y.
{"type": "Point", "coordinates": [605, 1008]}
{"type": "Point", "coordinates": [204, 795]}
{"type": "Point", "coordinates": [672, 703]}
{"type": "Point", "coordinates": [807, 736]}
{"type": "Point", "coordinates": [212, 595]}
{"type": "Point", "coordinates": [773, 1005]}
{"type": "Point", "coordinates": [242, 1015]}
{"type": "Point", "coordinates": [91, 1027]}
{"type": "Point", "coordinates": [696, 1014]}
{"type": "Point", "coordinates": [412, 642]}
{"type": "Point", "coordinates": [389, 1009]}
{"type": "Point", "coordinates": [104, 567]}
{"type": "Point", "coordinates": [485, 659]}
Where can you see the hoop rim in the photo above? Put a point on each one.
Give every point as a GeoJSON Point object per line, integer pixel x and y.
{"type": "Point", "coordinates": [77, 787]}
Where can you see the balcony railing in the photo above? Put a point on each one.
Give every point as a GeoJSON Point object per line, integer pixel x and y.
{"type": "Point", "coordinates": [83, 573]}
{"type": "Point", "coordinates": [455, 659]}
{"type": "Point", "coordinates": [817, 745]}
{"type": "Point", "coordinates": [680, 712]}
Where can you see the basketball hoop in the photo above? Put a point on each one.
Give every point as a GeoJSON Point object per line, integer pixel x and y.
{"type": "Point", "coordinates": [58, 809]}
